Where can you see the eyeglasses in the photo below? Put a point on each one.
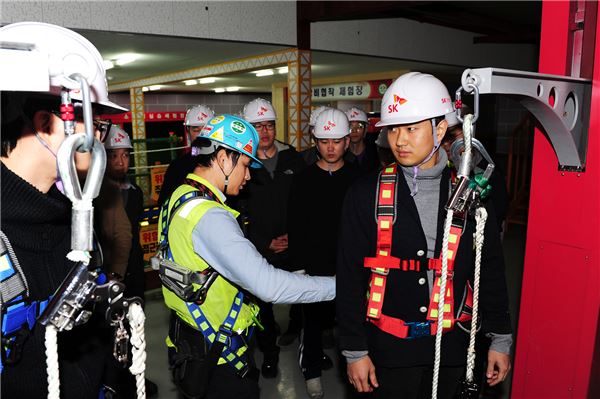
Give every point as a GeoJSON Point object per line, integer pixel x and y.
{"type": "Point", "coordinates": [261, 126]}
{"type": "Point", "coordinates": [103, 126]}
{"type": "Point", "coordinates": [357, 127]}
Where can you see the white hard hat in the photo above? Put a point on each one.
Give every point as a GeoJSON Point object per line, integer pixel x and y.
{"type": "Point", "coordinates": [40, 57]}
{"type": "Point", "coordinates": [357, 114]}
{"type": "Point", "coordinates": [198, 115]}
{"type": "Point", "coordinates": [382, 139]}
{"type": "Point", "coordinates": [452, 119]}
{"type": "Point", "coordinates": [331, 124]}
{"type": "Point", "coordinates": [117, 138]}
{"type": "Point", "coordinates": [315, 113]}
{"type": "Point", "coordinates": [259, 110]}
{"type": "Point", "coordinates": [414, 97]}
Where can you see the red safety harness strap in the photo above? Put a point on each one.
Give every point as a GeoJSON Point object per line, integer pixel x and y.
{"type": "Point", "coordinates": [382, 262]}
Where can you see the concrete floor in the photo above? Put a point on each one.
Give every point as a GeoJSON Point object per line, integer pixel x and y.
{"type": "Point", "coordinates": [289, 383]}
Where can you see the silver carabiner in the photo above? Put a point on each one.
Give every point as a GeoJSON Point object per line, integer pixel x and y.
{"type": "Point", "coordinates": [457, 149]}
{"type": "Point", "coordinates": [470, 87]}
{"type": "Point", "coordinates": [82, 216]}
{"type": "Point", "coordinates": [88, 119]}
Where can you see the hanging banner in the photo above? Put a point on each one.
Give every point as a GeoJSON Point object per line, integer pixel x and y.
{"type": "Point", "coordinates": [172, 116]}
{"type": "Point", "coordinates": [149, 240]}
{"type": "Point", "coordinates": [350, 91]}
{"type": "Point", "coordinates": [157, 176]}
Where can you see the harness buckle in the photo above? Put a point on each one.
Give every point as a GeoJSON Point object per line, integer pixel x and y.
{"type": "Point", "coordinates": [224, 335]}
{"type": "Point", "coordinates": [243, 371]}
{"type": "Point", "coordinates": [418, 329]}
{"type": "Point", "coordinates": [12, 346]}
{"type": "Point", "coordinates": [381, 271]}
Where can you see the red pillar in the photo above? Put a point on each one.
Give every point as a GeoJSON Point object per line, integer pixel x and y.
{"type": "Point", "coordinates": [557, 338]}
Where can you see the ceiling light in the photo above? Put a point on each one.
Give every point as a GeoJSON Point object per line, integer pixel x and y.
{"type": "Point", "coordinates": [144, 88]}
{"type": "Point", "coordinates": [190, 82]}
{"type": "Point", "coordinates": [154, 87]}
{"type": "Point", "coordinates": [263, 72]}
{"type": "Point", "coordinates": [108, 64]}
{"type": "Point", "coordinates": [126, 58]}
{"type": "Point", "coordinates": [282, 70]}
{"type": "Point", "coordinates": [233, 88]}
{"type": "Point", "coordinates": [219, 90]}
{"type": "Point", "coordinates": [204, 81]}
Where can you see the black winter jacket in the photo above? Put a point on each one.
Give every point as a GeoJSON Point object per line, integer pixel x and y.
{"type": "Point", "coordinates": [38, 227]}
{"type": "Point", "coordinates": [265, 201]}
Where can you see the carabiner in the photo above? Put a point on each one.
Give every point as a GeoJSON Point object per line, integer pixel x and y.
{"type": "Point", "coordinates": [470, 87]}
{"type": "Point", "coordinates": [82, 217]}
{"type": "Point", "coordinates": [88, 118]}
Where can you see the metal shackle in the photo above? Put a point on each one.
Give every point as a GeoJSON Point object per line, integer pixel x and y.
{"type": "Point", "coordinates": [82, 218]}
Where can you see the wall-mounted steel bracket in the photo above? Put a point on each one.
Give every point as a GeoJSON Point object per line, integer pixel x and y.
{"type": "Point", "coordinates": [560, 103]}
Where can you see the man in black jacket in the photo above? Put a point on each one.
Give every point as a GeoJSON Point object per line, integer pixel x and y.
{"type": "Point", "coordinates": [36, 216]}
{"type": "Point", "coordinates": [392, 253]}
{"type": "Point", "coordinates": [265, 203]}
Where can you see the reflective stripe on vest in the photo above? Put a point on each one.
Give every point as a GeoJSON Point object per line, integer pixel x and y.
{"type": "Point", "coordinates": [383, 261]}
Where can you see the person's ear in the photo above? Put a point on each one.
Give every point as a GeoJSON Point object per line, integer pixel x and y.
{"type": "Point", "coordinates": [441, 130]}
{"type": "Point", "coordinates": [346, 142]}
{"type": "Point", "coordinates": [224, 160]}
{"type": "Point", "coordinates": [42, 121]}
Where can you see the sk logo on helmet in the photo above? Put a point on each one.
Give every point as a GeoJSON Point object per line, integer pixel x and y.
{"type": "Point", "coordinates": [328, 126]}
{"type": "Point", "coordinates": [262, 111]}
{"type": "Point", "coordinates": [202, 116]}
{"type": "Point", "coordinates": [120, 137]}
{"type": "Point", "coordinates": [238, 127]}
{"type": "Point", "coordinates": [397, 101]}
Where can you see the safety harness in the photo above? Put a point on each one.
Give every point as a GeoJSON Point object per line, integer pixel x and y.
{"type": "Point", "coordinates": [18, 313]}
{"type": "Point", "coordinates": [223, 342]}
{"type": "Point", "coordinates": [381, 264]}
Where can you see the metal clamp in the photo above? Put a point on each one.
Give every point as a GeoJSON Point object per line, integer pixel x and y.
{"type": "Point", "coordinates": [88, 119]}
{"type": "Point", "coordinates": [560, 103]}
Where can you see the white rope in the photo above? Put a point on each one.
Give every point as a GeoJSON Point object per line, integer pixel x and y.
{"type": "Point", "coordinates": [136, 318]}
{"type": "Point", "coordinates": [464, 170]}
{"type": "Point", "coordinates": [441, 303]}
{"type": "Point", "coordinates": [52, 362]}
{"type": "Point", "coordinates": [480, 218]}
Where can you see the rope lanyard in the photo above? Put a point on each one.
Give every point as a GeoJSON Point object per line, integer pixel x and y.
{"type": "Point", "coordinates": [464, 172]}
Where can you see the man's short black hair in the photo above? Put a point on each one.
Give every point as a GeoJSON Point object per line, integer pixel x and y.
{"type": "Point", "coordinates": [16, 117]}
{"type": "Point", "coordinates": [206, 160]}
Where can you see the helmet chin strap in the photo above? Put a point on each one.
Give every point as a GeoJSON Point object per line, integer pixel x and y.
{"type": "Point", "coordinates": [415, 188]}
{"type": "Point", "coordinates": [226, 183]}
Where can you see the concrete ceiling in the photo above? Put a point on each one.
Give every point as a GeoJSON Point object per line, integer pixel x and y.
{"type": "Point", "coordinates": [496, 21]}
{"type": "Point", "coordinates": [162, 54]}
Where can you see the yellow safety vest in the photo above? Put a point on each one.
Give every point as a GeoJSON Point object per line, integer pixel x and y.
{"type": "Point", "coordinates": [222, 293]}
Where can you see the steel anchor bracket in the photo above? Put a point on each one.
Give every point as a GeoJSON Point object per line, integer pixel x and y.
{"type": "Point", "coordinates": [560, 103]}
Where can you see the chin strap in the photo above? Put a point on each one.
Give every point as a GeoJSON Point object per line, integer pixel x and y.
{"type": "Point", "coordinates": [415, 188]}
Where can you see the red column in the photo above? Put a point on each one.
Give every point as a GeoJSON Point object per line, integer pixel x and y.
{"type": "Point", "coordinates": [557, 338]}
